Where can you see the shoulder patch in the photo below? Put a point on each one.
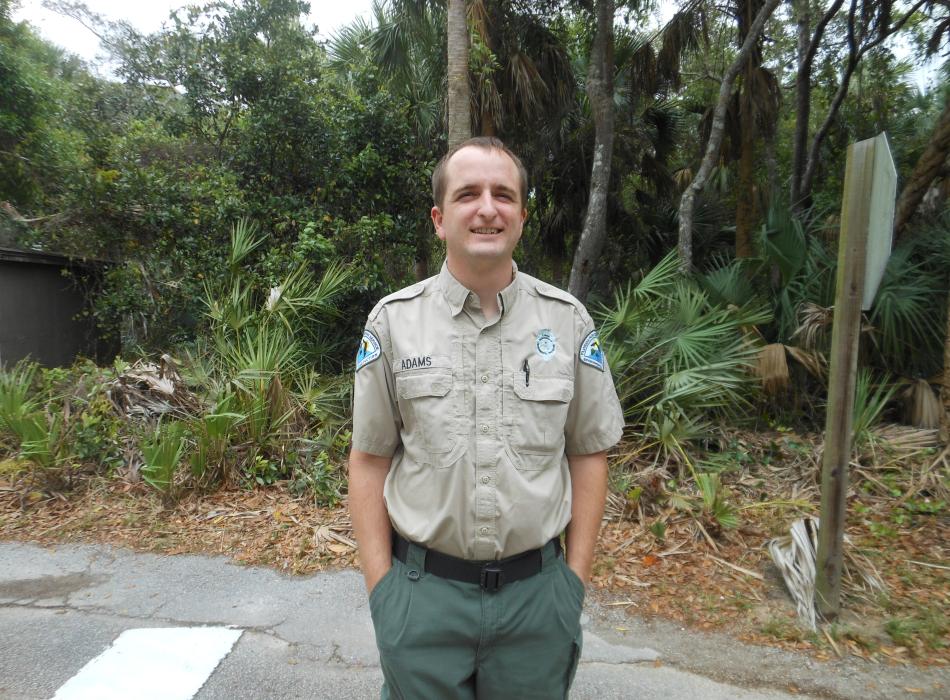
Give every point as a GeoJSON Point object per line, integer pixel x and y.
{"type": "Point", "coordinates": [369, 350]}
{"type": "Point", "coordinates": [591, 352]}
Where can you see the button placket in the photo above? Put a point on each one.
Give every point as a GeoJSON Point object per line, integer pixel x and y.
{"type": "Point", "coordinates": [486, 414]}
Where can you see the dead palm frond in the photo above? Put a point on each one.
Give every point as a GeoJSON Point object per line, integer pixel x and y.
{"type": "Point", "coordinates": [796, 555]}
{"type": "Point", "coordinates": [687, 31]}
{"type": "Point", "coordinates": [813, 326]}
{"type": "Point", "coordinates": [814, 362]}
{"type": "Point", "coordinates": [922, 405]}
{"type": "Point", "coordinates": [772, 368]}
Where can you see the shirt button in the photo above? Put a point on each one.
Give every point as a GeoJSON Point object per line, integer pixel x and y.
{"type": "Point", "coordinates": [484, 379]}
{"type": "Point", "coordinates": [484, 428]}
{"type": "Point", "coordinates": [484, 530]}
{"type": "Point", "coordinates": [486, 479]}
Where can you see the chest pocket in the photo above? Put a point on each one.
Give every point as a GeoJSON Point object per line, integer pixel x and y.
{"type": "Point", "coordinates": [539, 415]}
{"type": "Point", "coordinates": [429, 400]}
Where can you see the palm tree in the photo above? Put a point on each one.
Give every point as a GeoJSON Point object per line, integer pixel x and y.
{"type": "Point", "coordinates": [758, 102]}
{"type": "Point", "coordinates": [457, 52]}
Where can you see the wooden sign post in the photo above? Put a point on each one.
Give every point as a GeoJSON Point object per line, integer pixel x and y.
{"type": "Point", "coordinates": [864, 245]}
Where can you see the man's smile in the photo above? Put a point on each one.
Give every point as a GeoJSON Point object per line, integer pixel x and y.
{"type": "Point", "coordinates": [486, 231]}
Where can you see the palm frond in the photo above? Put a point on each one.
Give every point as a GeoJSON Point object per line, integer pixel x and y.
{"type": "Point", "coordinates": [907, 322]}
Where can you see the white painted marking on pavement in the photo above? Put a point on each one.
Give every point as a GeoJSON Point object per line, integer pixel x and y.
{"type": "Point", "coordinates": [162, 663]}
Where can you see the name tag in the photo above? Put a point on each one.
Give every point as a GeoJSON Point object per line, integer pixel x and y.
{"type": "Point", "coordinates": [420, 361]}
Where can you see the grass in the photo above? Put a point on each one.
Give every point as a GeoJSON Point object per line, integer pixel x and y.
{"type": "Point", "coordinates": [783, 629]}
{"type": "Point", "coordinates": [928, 629]}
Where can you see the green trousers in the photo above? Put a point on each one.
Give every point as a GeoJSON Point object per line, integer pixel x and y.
{"type": "Point", "coordinates": [448, 640]}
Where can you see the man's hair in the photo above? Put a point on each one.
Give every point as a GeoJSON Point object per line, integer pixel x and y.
{"type": "Point", "coordinates": [487, 143]}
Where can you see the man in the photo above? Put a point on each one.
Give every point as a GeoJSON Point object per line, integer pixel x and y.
{"type": "Point", "coordinates": [483, 409]}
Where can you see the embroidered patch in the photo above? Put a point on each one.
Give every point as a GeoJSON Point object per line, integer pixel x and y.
{"type": "Point", "coordinates": [415, 362]}
{"type": "Point", "coordinates": [591, 354]}
{"type": "Point", "coordinates": [369, 350]}
{"type": "Point", "coordinates": [546, 344]}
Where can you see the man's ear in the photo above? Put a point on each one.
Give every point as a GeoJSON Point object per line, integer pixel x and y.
{"type": "Point", "coordinates": [524, 215]}
{"type": "Point", "coordinates": [436, 215]}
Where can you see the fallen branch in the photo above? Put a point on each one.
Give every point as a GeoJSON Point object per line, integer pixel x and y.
{"type": "Point", "coordinates": [741, 570]}
{"type": "Point", "coordinates": [927, 564]}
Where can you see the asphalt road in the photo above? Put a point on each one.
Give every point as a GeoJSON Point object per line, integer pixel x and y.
{"type": "Point", "coordinates": [301, 637]}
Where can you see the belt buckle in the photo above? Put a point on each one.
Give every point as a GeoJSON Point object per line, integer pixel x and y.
{"type": "Point", "coordinates": [492, 576]}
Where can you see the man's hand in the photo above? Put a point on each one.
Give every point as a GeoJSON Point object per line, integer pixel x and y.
{"type": "Point", "coordinates": [368, 513]}
{"type": "Point", "coordinates": [588, 496]}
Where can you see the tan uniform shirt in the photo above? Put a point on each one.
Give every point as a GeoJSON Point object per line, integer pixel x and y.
{"type": "Point", "coordinates": [479, 416]}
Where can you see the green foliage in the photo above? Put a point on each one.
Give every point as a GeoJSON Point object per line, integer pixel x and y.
{"type": "Point", "coordinates": [213, 435]}
{"type": "Point", "coordinates": [264, 345]}
{"type": "Point", "coordinates": [908, 325]}
{"type": "Point", "coordinates": [96, 436]}
{"type": "Point", "coordinates": [162, 452]}
{"type": "Point", "coordinates": [18, 407]}
{"type": "Point", "coordinates": [870, 399]}
{"type": "Point", "coordinates": [715, 505]}
{"type": "Point", "coordinates": [658, 530]}
{"type": "Point", "coordinates": [677, 358]}
{"type": "Point", "coordinates": [320, 479]}
{"type": "Point", "coordinates": [37, 155]}
{"type": "Point", "coordinates": [60, 420]}
{"type": "Point", "coordinates": [38, 434]}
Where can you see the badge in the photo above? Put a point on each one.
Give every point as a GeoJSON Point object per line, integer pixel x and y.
{"type": "Point", "coordinates": [591, 354]}
{"type": "Point", "coordinates": [546, 344]}
{"type": "Point", "coordinates": [369, 350]}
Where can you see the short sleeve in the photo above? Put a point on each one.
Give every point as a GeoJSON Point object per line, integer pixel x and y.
{"type": "Point", "coordinates": [595, 418]}
{"type": "Point", "coordinates": [376, 419]}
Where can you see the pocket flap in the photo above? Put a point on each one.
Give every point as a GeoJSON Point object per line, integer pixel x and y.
{"type": "Point", "coordinates": [416, 385]}
{"type": "Point", "coordinates": [545, 389]}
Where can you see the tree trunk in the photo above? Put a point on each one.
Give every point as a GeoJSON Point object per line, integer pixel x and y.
{"type": "Point", "coordinates": [928, 165]}
{"type": "Point", "coordinates": [808, 178]}
{"type": "Point", "coordinates": [771, 165]}
{"type": "Point", "coordinates": [459, 94]}
{"type": "Point", "coordinates": [807, 48]}
{"type": "Point", "coordinates": [945, 388]}
{"type": "Point", "coordinates": [745, 185]}
{"type": "Point", "coordinates": [600, 94]}
{"type": "Point", "coordinates": [688, 200]}
{"type": "Point", "coordinates": [802, 98]}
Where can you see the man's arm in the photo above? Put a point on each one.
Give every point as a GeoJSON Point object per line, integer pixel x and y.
{"type": "Point", "coordinates": [588, 496]}
{"type": "Point", "coordinates": [368, 513]}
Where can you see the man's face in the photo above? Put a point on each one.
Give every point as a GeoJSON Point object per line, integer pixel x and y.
{"type": "Point", "coordinates": [482, 214]}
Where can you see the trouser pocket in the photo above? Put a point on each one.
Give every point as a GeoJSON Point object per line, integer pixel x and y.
{"type": "Point", "coordinates": [389, 606]}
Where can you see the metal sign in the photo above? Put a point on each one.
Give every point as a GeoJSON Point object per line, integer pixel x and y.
{"type": "Point", "coordinates": [870, 201]}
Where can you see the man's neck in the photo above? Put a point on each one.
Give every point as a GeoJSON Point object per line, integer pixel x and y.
{"type": "Point", "coordinates": [485, 282]}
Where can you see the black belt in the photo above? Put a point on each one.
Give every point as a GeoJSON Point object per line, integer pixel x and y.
{"type": "Point", "coordinates": [490, 575]}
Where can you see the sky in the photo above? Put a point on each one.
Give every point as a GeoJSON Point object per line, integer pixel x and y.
{"type": "Point", "coordinates": [328, 15]}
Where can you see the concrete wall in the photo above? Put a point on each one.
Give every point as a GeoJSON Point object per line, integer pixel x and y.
{"type": "Point", "coordinates": [38, 315]}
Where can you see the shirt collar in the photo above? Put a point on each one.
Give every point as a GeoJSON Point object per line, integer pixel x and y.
{"type": "Point", "coordinates": [456, 293]}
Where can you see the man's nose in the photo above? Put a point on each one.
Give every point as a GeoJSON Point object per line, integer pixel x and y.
{"type": "Point", "coordinates": [486, 205]}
